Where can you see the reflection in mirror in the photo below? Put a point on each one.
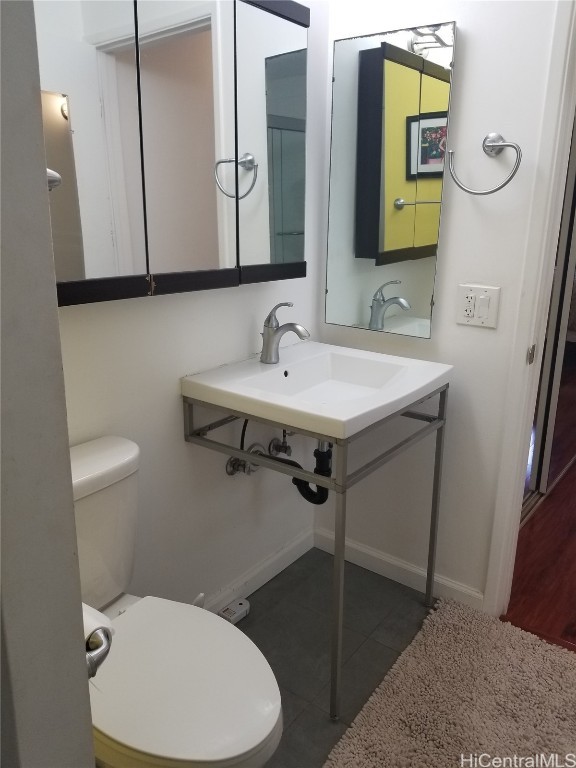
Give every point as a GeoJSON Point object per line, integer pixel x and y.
{"type": "Point", "coordinates": [271, 126]}
{"type": "Point", "coordinates": [187, 85]}
{"type": "Point", "coordinates": [86, 50]}
{"type": "Point", "coordinates": [286, 123]}
{"type": "Point", "coordinates": [389, 124]}
{"type": "Point", "coordinates": [64, 205]}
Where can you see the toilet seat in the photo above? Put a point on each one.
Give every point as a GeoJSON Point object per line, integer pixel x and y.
{"type": "Point", "coordinates": [183, 687]}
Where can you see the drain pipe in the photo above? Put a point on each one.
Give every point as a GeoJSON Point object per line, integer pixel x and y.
{"type": "Point", "coordinates": [323, 456]}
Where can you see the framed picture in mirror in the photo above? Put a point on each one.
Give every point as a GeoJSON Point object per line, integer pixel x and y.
{"type": "Point", "coordinates": [426, 144]}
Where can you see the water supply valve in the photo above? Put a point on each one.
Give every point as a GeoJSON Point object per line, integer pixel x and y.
{"type": "Point", "coordinates": [235, 465]}
{"type": "Point", "coordinates": [277, 446]}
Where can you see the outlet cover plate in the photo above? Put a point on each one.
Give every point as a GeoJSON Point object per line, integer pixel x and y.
{"type": "Point", "coordinates": [478, 305]}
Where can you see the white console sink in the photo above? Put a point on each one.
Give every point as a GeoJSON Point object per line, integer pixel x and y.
{"type": "Point", "coordinates": [321, 388]}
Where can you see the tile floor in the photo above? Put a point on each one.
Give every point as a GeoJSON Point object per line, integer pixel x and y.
{"type": "Point", "coordinates": [289, 621]}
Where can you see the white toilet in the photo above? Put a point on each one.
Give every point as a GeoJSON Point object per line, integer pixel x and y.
{"type": "Point", "coordinates": [181, 686]}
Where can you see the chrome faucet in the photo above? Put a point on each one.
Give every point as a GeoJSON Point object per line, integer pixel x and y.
{"type": "Point", "coordinates": [273, 332]}
{"type": "Point", "coordinates": [380, 305]}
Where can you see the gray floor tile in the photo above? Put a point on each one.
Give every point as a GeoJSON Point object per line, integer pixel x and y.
{"type": "Point", "coordinates": [308, 741]}
{"type": "Point", "coordinates": [296, 643]}
{"type": "Point", "coordinates": [289, 580]}
{"type": "Point", "coordinates": [292, 706]}
{"type": "Point", "coordinates": [361, 674]}
{"type": "Point", "coordinates": [400, 626]}
{"type": "Point", "coordinates": [368, 597]}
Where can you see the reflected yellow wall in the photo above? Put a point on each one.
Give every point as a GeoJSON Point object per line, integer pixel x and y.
{"type": "Point", "coordinates": [406, 93]}
{"type": "Point", "coordinates": [401, 98]}
{"type": "Point", "coordinates": [433, 98]}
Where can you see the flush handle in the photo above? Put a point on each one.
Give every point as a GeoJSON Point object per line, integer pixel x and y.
{"type": "Point", "coordinates": [98, 647]}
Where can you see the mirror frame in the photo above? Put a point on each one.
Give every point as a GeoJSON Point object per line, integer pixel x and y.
{"type": "Point", "coordinates": [95, 290]}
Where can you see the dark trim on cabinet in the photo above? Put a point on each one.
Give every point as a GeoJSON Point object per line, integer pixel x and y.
{"type": "Point", "coordinates": [263, 273]}
{"type": "Point", "coordinates": [406, 254]}
{"type": "Point", "coordinates": [401, 56]}
{"type": "Point", "coordinates": [369, 153]}
{"type": "Point", "coordinates": [285, 9]}
{"type": "Point", "coordinates": [102, 289]}
{"type": "Point", "coordinates": [436, 71]}
{"type": "Point", "coordinates": [197, 280]}
{"type": "Point", "coordinates": [413, 61]}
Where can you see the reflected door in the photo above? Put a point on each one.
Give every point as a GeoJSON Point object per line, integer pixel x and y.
{"type": "Point", "coordinates": [286, 177]}
{"type": "Point", "coordinates": [271, 83]}
{"type": "Point", "coordinates": [188, 119]}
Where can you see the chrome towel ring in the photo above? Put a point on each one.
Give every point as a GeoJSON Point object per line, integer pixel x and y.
{"type": "Point", "coordinates": [248, 163]}
{"type": "Point", "coordinates": [492, 145]}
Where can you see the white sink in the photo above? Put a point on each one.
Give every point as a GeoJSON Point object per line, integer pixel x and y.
{"type": "Point", "coordinates": [333, 391]}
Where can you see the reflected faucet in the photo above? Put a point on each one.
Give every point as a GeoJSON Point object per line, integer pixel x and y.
{"type": "Point", "coordinates": [273, 332]}
{"type": "Point", "coordinates": [380, 305]}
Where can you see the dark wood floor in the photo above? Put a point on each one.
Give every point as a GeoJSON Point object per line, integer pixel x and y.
{"type": "Point", "coordinates": [543, 599]}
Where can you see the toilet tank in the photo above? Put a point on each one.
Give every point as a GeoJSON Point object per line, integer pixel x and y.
{"type": "Point", "coordinates": [104, 479]}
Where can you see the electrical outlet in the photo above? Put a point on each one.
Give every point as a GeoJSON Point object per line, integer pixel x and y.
{"type": "Point", "coordinates": [469, 303]}
{"type": "Point", "coordinates": [478, 305]}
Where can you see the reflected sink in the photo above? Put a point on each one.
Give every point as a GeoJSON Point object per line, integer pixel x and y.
{"type": "Point", "coordinates": [321, 388]}
{"type": "Point", "coordinates": [408, 326]}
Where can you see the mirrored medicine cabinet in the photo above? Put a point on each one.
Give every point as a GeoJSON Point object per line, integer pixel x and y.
{"type": "Point", "coordinates": [178, 130]}
{"type": "Point", "coordinates": [390, 109]}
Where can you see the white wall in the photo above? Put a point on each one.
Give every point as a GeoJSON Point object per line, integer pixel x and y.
{"type": "Point", "coordinates": [199, 530]}
{"type": "Point", "coordinates": [511, 82]}
{"type": "Point", "coordinates": [45, 707]}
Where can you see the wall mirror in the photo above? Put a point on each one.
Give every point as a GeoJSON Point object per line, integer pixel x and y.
{"type": "Point", "coordinates": [140, 121]}
{"type": "Point", "coordinates": [390, 109]}
{"type": "Point", "coordinates": [85, 49]}
{"type": "Point", "coordinates": [271, 107]}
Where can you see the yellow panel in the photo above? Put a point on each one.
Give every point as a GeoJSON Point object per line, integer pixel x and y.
{"type": "Point", "coordinates": [435, 94]}
{"type": "Point", "coordinates": [401, 98]}
{"type": "Point", "coordinates": [434, 98]}
{"type": "Point", "coordinates": [427, 216]}
{"type": "Point", "coordinates": [427, 224]}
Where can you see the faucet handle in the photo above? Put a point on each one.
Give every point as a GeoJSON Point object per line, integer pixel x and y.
{"type": "Point", "coordinates": [272, 321]}
{"type": "Point", "coordinates": [380, 291]}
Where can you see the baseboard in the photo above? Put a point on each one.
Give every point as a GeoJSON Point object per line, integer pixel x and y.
{"type": "Point", "coordinates": [262, 572]}
{"type": "Point", "coordinates": [398, 570]}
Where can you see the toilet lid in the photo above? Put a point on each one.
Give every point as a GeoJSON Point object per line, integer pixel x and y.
{"type": "Point", "coordinates": [182, 683]}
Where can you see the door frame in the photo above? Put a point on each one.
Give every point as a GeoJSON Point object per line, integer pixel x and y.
{"type": "Point", "coordinates": [532, 314]}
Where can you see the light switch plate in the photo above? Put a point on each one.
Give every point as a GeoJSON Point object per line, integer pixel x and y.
{"type": "Point", "coordinates": [478, 305]}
